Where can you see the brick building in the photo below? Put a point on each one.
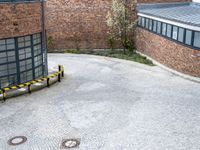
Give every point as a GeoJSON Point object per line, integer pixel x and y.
{"type": "Point", "coordinates": [77, 23]}
{"type": "Point", "coordinates": [170, 34]}
{"type": "Point", "coordinates": [168, 31]}
{"type": "Point", "coordinates": [21, 44]}
{"type": "Point", "coordinates": [82, 24]}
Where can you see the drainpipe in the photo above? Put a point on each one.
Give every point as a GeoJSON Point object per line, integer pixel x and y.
{"type": "Point", "coordinates": [44, 39]}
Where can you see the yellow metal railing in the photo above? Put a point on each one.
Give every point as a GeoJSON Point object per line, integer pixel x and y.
{"type": "Point", "coordinates": [28, 85]}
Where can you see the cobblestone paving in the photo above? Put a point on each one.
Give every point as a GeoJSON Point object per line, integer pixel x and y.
{"type": "Point", "coordinates": [108, 104]}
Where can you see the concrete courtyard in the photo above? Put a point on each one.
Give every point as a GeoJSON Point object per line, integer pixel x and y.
{"type": "Point", "coordinates": [108, 104]}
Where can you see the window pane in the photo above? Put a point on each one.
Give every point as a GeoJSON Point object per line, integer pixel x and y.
{"type": "Point", "coordinates": [139, 21]}
{"type": "Point", "coordinates": [10, 41]}
{"type": "Point", "coordinates": [154, 26]}
{"type": "Point", "coordinates": [143, 21]}
{"type": "Point", "coordinates": [159, 27]}
{"type": "Point", "coordinates": [150, 24]}
{"type": "Point", "coordinates": [10, 46]}
{"type": "Point", "coordinates": [169, 30]}
{"type": "Point", "coordinates": [197, 39]}
{"type": "Point", "coordinates": [188, 37]}
{"type": "Point", "coordinates": [2, 47]}
{"type": "Point", "coordinates": [147, 23]}
{"type": "Point", "coordinates": [180, 34]}
{"type": "Point", "coordinates": [2, 42]}
{"type": "Point", "coordinates": [175, 32]}
{"type": "Point", "coordinates": [164, 28]}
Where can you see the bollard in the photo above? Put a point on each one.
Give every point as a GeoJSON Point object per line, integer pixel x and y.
{"type": "Point", "coordinates": [48, 84]}
{"type": "Point", "coordinates": [63, 73]}
{"type": "Point", "coordinates": [59, 78]}
{"type": "Point", "coordinates": [59, 67]}
{"type": "Point", "coordinates": [29, 88]}
{"type": "Point", "coordinates": [4, 95]}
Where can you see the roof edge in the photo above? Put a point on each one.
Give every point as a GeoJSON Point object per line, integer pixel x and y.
{"type": "Point", "coordinates": [142, 6]}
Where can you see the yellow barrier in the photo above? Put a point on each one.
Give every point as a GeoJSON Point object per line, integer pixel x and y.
{"type": "Point", "coordinates": [60, 74]}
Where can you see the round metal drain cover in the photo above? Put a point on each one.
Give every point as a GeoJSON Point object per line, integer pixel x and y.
{"type": "Point", "coordinates": [70, 143]}
{"type": "Point", "coordinates": [17, 140]}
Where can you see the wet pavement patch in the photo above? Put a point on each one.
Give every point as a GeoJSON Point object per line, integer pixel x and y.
{"type": "Point", "coordinates": [70, 143]}
{"type": "Point", "coordinates": [17, 140]}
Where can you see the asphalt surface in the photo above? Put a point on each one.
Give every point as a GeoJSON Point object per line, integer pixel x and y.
{"type": "Point", "coordinates": [107, 104]}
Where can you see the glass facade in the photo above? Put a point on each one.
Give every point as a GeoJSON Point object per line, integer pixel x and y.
{"type": "Point", "coordinates": [178, 34]}
{"type": "Point", "coordinates": [21, 59]}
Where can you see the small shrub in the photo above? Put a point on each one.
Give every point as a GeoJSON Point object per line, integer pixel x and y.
{"type": "Point", "coordinates": [128, 44]}
{"type": "Point", "coordinates": [120, 22]}
{"type": "Point", "coordinates": [73, 51]}
{"type": "Point", "coordinates": [110, 42]}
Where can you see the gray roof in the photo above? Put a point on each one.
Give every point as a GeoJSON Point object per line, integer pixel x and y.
{"type": "Point", "coordinates": [187, 13]}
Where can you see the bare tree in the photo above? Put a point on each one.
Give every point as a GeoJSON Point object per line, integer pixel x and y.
{"type": "Point", "coordinates": [121, 23]}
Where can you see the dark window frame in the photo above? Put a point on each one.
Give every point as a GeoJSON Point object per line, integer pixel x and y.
{"type": "Point", "coordinates": [7, 77]}
{"type": "Point", "coordinates": [154, 30]}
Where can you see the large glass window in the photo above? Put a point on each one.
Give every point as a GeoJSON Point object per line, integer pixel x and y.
{"type": "Point", "coordinates": [25, 58]}
{"type": "Point", "coordinates": [197, 39]}
{"type": "Point", "coordinates": [154, 26]}
{"type": "Point", "coordinates": [8, 71]}
{"type": "Point", "coordinates": [159, 27]}
{"type": "Point", "coordinates": [150, 24]}
{"type": "Point", "coordinates": [169, 30]}
{"type": "Point", "coordinates": [143, 22]}
{"type": "Point", "coordinates": [37, 55]}
{"type": "Point", "coordinates": [21, 59]}
{"type": "Point", "coordinates": [147, 23]}
{"type": "Point", "coordinates": [188, 37]}
{"type": "Point", "coordinates": [181, 34]}
{"type": "Point", "coordinates": [175, 32]}
{"type": "Point", "coordinates": [164, 28]}
{"type": "Point", "coordinates": [139, 21]}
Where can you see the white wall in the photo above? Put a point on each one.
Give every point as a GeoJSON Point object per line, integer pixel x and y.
{"type": "Point", "coordinates": [198, 1]}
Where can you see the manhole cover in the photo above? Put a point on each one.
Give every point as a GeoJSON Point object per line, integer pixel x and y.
{"type": "Point", "coordinates": [17, 140]}
{"type": "Point", "coordinates": [70, 143]}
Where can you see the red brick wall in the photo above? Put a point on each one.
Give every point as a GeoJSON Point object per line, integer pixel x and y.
{"type": "Point", "coordinates": [169, 53]}
{"type": "Point", "coordinates": [80, 23]}
{"type": "Point", "coordinates": [77, 23]}
{"type": "Point", "coordinates": [161, 1]}
{"type": "Point", "coordinates": [19, 19]}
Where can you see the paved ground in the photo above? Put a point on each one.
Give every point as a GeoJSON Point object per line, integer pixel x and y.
{"type": "Point", "coordinates": [110, 105]}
